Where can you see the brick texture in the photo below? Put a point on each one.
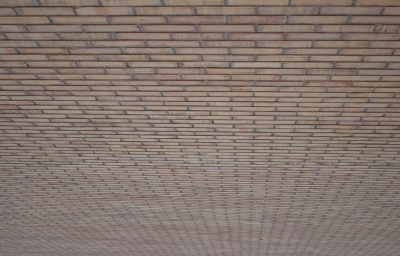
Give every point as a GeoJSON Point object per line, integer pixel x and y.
{"type": "Point", "coordinates": [199, 128]}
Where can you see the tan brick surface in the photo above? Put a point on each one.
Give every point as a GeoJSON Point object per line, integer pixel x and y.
{"type": "Point", "coordinates": [199, 127]}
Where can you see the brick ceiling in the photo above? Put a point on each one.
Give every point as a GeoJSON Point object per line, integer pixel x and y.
{"type": "Point", "coordinates": [199, 128]}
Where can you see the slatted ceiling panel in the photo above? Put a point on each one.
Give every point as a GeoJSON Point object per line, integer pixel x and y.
{"type": "Point", "coordinates": [202, 127]}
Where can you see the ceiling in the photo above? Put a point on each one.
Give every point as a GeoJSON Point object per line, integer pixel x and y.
{"type": "Point", "coordinates": [199, 128]}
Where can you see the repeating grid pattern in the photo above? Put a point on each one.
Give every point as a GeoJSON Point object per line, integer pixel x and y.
{"type": "Point", "coordinates": [200, 127]}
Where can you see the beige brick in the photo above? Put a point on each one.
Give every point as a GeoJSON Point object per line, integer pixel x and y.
{"type": "Point", "coordinates": [317, 19]}
{"type": "Point", "coordinates": [130, 2]}
{"type": "Point", "coordinates": [194, 2]}
{"type": "Point", "coordinates": [375, 20]}
{"type": "Point", "coordinates": [110, 28]}
{"type": "Point", "coordinates": [257, 19]}
{"type": "Point", "coordinates": [54, 28]}
{"type": "Point", "coordinates": [345, 28]}
{"type": "Point", "coordinates": [68, 2]}
{"type": "Point", "coordinates": [380, 2]}
{"type": "Point", "coordinates": [227, 28]}
{"type": "Point", "coordinates": [7, 12]}
{"type": "Point", "coordinates": [256, 36]}
{"type": "Point", "coordinates": [157, 10]}
{"type": "Point", "coordinates": [301, 10]}
{"type": "Point", "coordinates": [351, 10]}
{"type": "Point", "coordinates": [23, 20]}
{"type": "Point", "coordinates": [341, 44]}
{"type": "Point", "coordinates": [259, 2]}
{"type": "Point", "coordinates": [285, 44]}
{"type": "Point", "coordinates": [225, 10]}
{"type": "Point", "coordinates": [169, 28]}
{"type": "Point", "coordinates": [78, 20]}
{"type": "Point", "coordinates": [285, 28]}
{"type": "Point", "coordinates": [13, 3]}
{"type": "Point", "coordinates": [320, 2]}
{"type": "Point", "coordinates": [105, 11]}
{"type": "Point", "coordinates": [257, 51]}
{"type": "Point", "coordinates": [137, 20]}
{"type": "Point", "coordinates": [42, 11]}
{"type": "Point", "coordinates": [391, 11]}
{"type": "Point", "coordinates": [314, 36]}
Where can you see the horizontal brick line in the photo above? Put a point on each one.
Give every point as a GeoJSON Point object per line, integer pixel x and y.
{"type": "Point", "coordinates": [224, 47]}
{"type": "Point", "coordinates": [163, 32]}
{"type": "Point", "coordinates": [338, 14]}
{"type": "Point", "coordinates": [284, 57]}
{"type": "Point", "coordinates": [239, 73]}
{"type": "Point", "coordinates": [198, 24]}
{"type": "Point", "coordinates": [132, 62]}
{"type": "Point", "coordinates": [299, 47]}
{"type": "Point", "coordinates": [188, 54]}
{"type": "Point", "coordinates": [206, 15]}
{"type": "Point", "coordinates": [172, 41]}
{"type": "Point", "coordinates": [227, 80]}
{"type": "Point", "coordinates": [258, 121]}
{"type": "Point", "coordinates": [215, 5]}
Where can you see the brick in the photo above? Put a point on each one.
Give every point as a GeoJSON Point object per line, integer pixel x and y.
{"type": "Point", "coordinates": [42, 11]}
{"type": "Point", "coordinates": [225, 10]}
{"type": "Point", "coordinates": [255, 51]}
{"type": "Point", "coordinates": [336, 58]}
{"type": "Point", "coordinates": [78, 20]}
{"type": "Point", "coordinates": [104, 11]}
{"type": "Point", "coordinates": [227, 28]}
{"type": "Point", "coordinates": [351, 10]}
{"type": "Point", "coordinates": [21, 36]}
{"type": "Point", "coordinates": [157, 10]}
{"type": "Point", "coordinates": [193, 2]}
{"type": "Point", "coordinates": [301, 10]}
{"type": "Point", "coordinates": [144, 36]}
{"type": "Point", "coordinates": [371, 36]}
{"type": "Point", "coordinates": [365, 51]}
{"type": "Point", "coordinates": [341, 44]}
{"type": "Point", "coordinates": [196, 19]}
{"type": "Point", "coordinates": [13, 3]}
{"type": "Point", "coordinates": [229, 44]}
{"type": "Point", "coordinates": [314, 36]}
{"type": "Point", "coordinates": [23, 20]}
{"type": "Point", "coordinates": [12, 28]}
{"type": "Point", "coordinates": [285, 44]}
{"type": "Point", "coordinates": [256, 65]}
{"type": "Point", "coordinates": [317, 19]}
{"type": "Point", "coordinates": [7, 12]}
{"type": "Point", "coordinates": [380, 3]}
{"type": "Point", "coordinates": [68, 2]}
{"type": "Point", "coordinates": [259, 2]}
{"type": "Point", "coordinates": [307, 65]}
{"type": "Point", "coordinates": [303, 51]}
{"type": "Point", "coordinates": [195, 36]}
{"type": "Point", "coordinates": [137, 20]}
{"type": "Point", "coordinates": [54, 28]}
{"type": "Point", "coordinates": [110, 28]}
{"type": "Point", "coordinates": [282, 58]}
{"type": "Point", "coordinates": [201, 51]}
{"type": "Point", "coordinates": [390, 11]}
{"type": "Point", "coordinates": [321, 2]}
{"type": "Point", "coordinates": [285, 28]}
{"type": "Point", "coordinates": [345, 28]}
{"type": "Point", "coordinates": [256, 36]}
{"type": "Point", "coordinates": [130, 2]}
{"type": "Point", "coordinates": [257, 19]}
{"type": "Point", "coordinates": [375, 20]}
{"type": "Point", "coordinates": [169, 28]}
